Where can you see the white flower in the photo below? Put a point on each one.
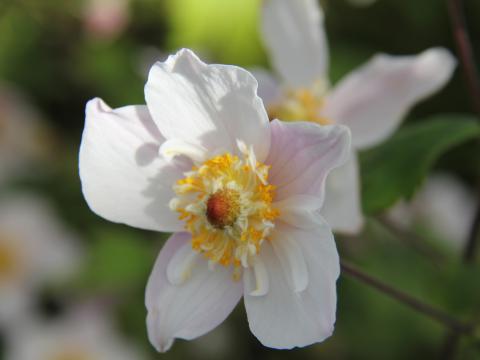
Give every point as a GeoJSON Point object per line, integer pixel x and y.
{"type": "Point", "coordinates": [34, 249]}
{"type": "Point", "coordinates": [241, 194]}
{"type": "Point", "coordinates": [371, 101]}
{"type": "Point", "coordinates": [82, 335]}
{"type": "Point", "coordinates": [443, 205]}
{"type": "Point", "coordinates": [23, 135]}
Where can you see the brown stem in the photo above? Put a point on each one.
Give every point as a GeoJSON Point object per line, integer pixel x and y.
{"type": "Point", "coordinates": [470, 74]}
{"type": "Point", "coordinates": [472, 243]}
{"type": "Point", "coordinates": [464, 49]}
{"type": "Point", "coordinates": [438, 315]}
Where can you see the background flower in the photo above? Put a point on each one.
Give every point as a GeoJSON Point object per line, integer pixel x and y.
{"type": "Point", "coordinates": [371, 101]}
{"type": "Point", "coordinates": [25, 138]}
{"type": "Point", "coordinates": [35, 250]}
{"type": "Point", "coordinates": [444, 207]}
{"type": "Point", "coordinates": [85, 333]}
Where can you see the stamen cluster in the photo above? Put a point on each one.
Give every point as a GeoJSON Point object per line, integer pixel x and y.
{"type": "Point", "coordinates": [226, 204]}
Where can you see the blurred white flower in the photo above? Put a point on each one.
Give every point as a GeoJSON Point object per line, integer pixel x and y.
{"type": "Point", "coordinates": [202, 160]}
{"type": "Point", "coordinates": [106, 18]}
{"type": "Point", "coordinates": [23, 135]}
{"type": "Point", "coordinates": [84, 335]}
{"type": "Point", "coordinates": [371, 101]}
{"type": "Point", "coordinates": [444, 206]}
{"type": "Point", "coordinates": [34, 249]}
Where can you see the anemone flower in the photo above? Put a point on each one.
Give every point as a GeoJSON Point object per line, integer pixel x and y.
{"type": "Point", "coordinates": [240, 193]}
{"type": "Point", "coordinates": [35, 249]}
{"type": "Point", "coordinates": [82, 334]}
{"type": "Point", "coordinates": [371, 101]}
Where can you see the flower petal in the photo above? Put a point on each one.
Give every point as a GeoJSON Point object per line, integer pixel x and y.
{"type": "Point", "coordinates": [209, 105]}
{"type": "Point", "coordinates": [193, 308]}
{"type": "Point", "coordinates": [302, 154]}
{"type": "Point", "coordinates": [342, 206]}
{"type": "Point", "coordinates": [284, 319]}
{"type": "Point", "coordinates": [292, 260]}
{"type": "Point", "coordinates": [294, 34]}
{"type": "Point", "coordinates": [372, 100]}
{"type": "Point", "coordinates": [175, 147]}
{"type": "Point", "coordinates": [268, 87]}
{"type": "Point", "coordinates": [123, 178]}
{"type": "Point", "coordinates": [300, 210]}
{"type": "Point", "coordinates": [261, 278]}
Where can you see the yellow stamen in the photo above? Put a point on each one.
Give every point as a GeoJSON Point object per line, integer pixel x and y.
{"type": "Point", "coordinates": [9, 258]}
{"type": "Point", "coordinates": [72, 354]}
{"type": "Point", "coordinates": [299, 105]}
{"type": "Point", "coordinates": [227, 207]}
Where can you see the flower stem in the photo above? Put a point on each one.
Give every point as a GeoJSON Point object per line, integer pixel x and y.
{"type": "Point", "coordinates": [408, 300]}
{"type": "Point", "coordinates": [464, 49]}
{"type": "Point", "coordinates": [471, 246]}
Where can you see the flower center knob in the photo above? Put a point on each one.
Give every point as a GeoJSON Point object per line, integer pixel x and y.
{"type": "Point", "coordinates": [223, 208]}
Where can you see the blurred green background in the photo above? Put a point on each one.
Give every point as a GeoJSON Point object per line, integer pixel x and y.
{"type": "Point", "coordinates": [57, 60]}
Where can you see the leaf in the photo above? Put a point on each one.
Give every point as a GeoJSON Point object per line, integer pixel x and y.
{"type": "Point", "coordinates": [397, 167]}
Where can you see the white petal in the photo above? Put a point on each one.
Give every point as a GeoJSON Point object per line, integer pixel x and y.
{"type": "Point", "coordinates": [268, 87]}
{"type": "Point", "coordinates": [294, 34]}
{"type": "Point", "coordinates": [292, 260]}
{"type": "Point", "coordinates": [175, 147]}
{"type": "Point", "coordinates": [181, 264]}
{"type": "Point", "coordinates": [342, 208]}
{"type": "Point", "coordinates": [285, 319]}
{"type": "Point", "coordinates": [123, 178]}
{"type": "Point", "coordinates": [209, 105]}
{"type": "Point", "coordinates": [261, 278]}
{"type": "Point", "coordinates": [300, 210]}
{"type": "Point", "coordinates": [192, 309]}
{"type": "Point", "coordinates": [374, 99]}
{"type": "Point", "coordinates": [302, 154]}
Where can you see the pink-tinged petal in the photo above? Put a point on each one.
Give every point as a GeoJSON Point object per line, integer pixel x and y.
{"type": "Point", "coordinates": [284, 318]}
{"type": "Point", "coordinates": [208, 105]}
{"type": "Point", "coordinates": [300, 210]}
{"type": "Point", "coordinates": [373, 100]}
{"type": "Point", "coordinates": [342, 207]}
{"type": "Point", "coordinates": [268, 87]}
{"type": "Point", "coordinates": [193, 308]}
{"type": "Point", "coordinates": [302, 154]}
{"type": "Point", "coordinates": [294, 34]}
{"type": "Point", "coordinates": [123, 178]}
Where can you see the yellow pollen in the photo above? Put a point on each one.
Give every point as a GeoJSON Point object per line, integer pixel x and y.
{"type": "Point", "coordinates": [72, 354]}
{"type": "Point", "coordinates": [299, 105]}
{"type": "Point", "coordinates": [226, 204]}
{"type": "Point", "coordinates": [9, 262]}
